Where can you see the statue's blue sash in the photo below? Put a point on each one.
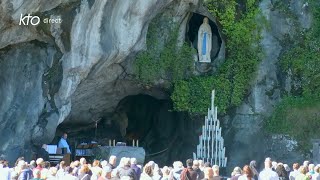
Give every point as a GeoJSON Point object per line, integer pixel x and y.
{"type": "Point", "coordinates": [204, 44]}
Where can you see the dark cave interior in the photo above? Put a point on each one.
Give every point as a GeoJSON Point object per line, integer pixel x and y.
{"type": "Point", "coordinates": [149, 120]}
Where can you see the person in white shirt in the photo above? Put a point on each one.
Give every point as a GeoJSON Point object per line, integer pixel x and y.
{"type": "Point", "coordinates": [268, 173]}
{"type": "Point", "coordinates": [293, 174]}
{"type": "Point", "coordinates": [68, 175]}
{"type": "Point", "coordinates": [4, 171]}
{"type": "Point", "coordinates": [63, 143]}
{"type": "Point", "coordinates": [316, 175]}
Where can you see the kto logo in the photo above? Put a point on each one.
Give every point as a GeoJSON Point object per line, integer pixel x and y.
{"type": "Point", "coordinates": [33, 20]}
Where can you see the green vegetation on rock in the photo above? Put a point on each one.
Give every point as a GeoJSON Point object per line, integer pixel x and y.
{"type": "Point", "coordinates": [170, 62]}
{"type": "Point", "coordinates": [298, 114]}
{"type": "Point", "coordinates": [231, 81]}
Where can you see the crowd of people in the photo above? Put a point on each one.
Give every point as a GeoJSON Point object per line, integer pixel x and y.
{"type": "Point", "coordinates": [128, 169]}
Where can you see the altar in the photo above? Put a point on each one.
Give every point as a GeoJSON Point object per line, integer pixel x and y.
{"type": "Point", "coordinates": [120, 149]}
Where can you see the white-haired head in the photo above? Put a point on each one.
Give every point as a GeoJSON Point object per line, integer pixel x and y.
{"type": "Point", "coordinates": [22, 164]}
{"type": "Point", "coordinates": [126, 162]}
{"type": "Point", "coordinates": [215, 169]}
{"type": "Point", "coordinates": [113, 160]}
{"type": "Point", "coordinates": [274, 164]}
{"type": "Point", "coordinates": [39, 161]}
{"type": "Point", "coordinates": [122, 162]}
{"type": "Point", "coordinates": [104, 163]}
{"type": "Point", "coordinates": [152, 164]}
{"type": "Point", "coordinates": [286, 167]}
{"type": "Point", "coordinates": [177, 165]}
{"type": "Point", "coordinates": [83, 161]}
{"type": "Point", "coordinates": [133, 161]}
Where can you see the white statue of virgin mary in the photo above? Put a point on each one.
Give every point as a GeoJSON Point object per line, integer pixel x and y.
{"type": "Point", "coordinates": [204, 41]}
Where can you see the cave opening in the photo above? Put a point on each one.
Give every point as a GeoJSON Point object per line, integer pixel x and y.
{"type": "Point", "coordinates": [192, 33]}
{"type": "Point", "coordinates": [165, 135]}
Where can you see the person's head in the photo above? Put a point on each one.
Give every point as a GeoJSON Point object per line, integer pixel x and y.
{"type": "Point", "coordinates": [113, 160]}
{"type": "Point", "coordinates": [148, 170]}
{"type": "Point", "coordinates": [303, 170]}
{"type": "Point", "coordinates": [40, 162]}
{"type": "Point", "coordinates": [274, 164]}
{"type": "Point", "coordinates": [177, 165]}
{"type": "Point", "coordinates": [253, 164]}
{"type": "Point", "coordinates": [201, 163]}
{"type": "Point", "coordinates": [76, 163]}
{"type": "Point", "coordinates": [32, 163]}
{"type": "Point", "coordinates": [247, 171]}
{"type": "Point", "coordinates": [133, 161]}
{"type": "Point", "coordinates": [306, 163]}
{"type": "Point", "coordinates": [152, 164]}
{"type": "Point", "coordinates": [281, 171]}
{"type": "Point", "coordinates": [4, 163]}
{"type": "Point", "coordinates": [65, 136]}
{"type": "Point", "coordinates": [99, 172]}
{"type": "Point", "coordinates": [36, 173]}
{"type": "Point", "coordinates": [311, 167]}
{"type": "Point", "coordinates": [69, 170]}
{"type": "Point", "coordinates": [208, 172]}
{"type": "Point", "coordinates": [295, 166]}
{"type": "Point", "coordinates": [316, 169]}
{"type": "Point", "coordinates": [126, 162]}
{"type": "Point", "coordinates": [19, 159]}
{"type": "Point", "coordinates": [106, 172]}
{"type": "Point", "coordinates": [53, 171]}
{"type": "Point", "coordinates": [83, 161]}
{"type": "Point", "coordinates": [196, 164]}
{"type": "Point", "coordinates": [286, 167]}
{"type": "Point", "coordinates": [47, 164]}
{"type": "Point", "coordinates": [62, 165]}
{"type": "Point", "coordinates": [189, 162]}
{"type": "Point", "coordinates": [85, 168]}
{"type": "Point", "coordinates": [104, 163]}
{"type": "Point", "coordinates": [72, 165]}
{"type": "Point", "coordinates": [165, 171]}
{"type": "Point", "coordinates": [207, 164]}
{"type": "Point", "coordinates": [22, 165]}
{"type": "Point", "coordinates": [215, 169]}
{"type": "Point", "coordinates": [236, 171]}
{"type": "Point", "coordinates": [267, 163]}
{"type": "Point", "coordinates": [96, 163]}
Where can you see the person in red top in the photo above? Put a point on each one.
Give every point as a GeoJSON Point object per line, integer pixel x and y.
{"type": "Point", "coordinates": [40, 164]}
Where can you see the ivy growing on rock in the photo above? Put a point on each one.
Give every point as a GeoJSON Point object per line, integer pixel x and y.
{"type": "Point", "coordinates": [298, 114]}
{"type": "Point", "coordinates": [231, 81]}
{"type": "Point", "coordinates": [167, 62]}
{"type": "Point", "coordinates": [192, 93]}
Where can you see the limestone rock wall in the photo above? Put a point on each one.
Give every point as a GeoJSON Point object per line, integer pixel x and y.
{"type": "Point", "coordinates": [246, 138]}
{"type": "Point", "coordinates": [73, 71]}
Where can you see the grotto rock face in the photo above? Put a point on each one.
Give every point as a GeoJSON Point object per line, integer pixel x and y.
{"type": "Point", "coordinates": [70, 72]}
{"type": "Point", "coordinates": [245, 136]}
